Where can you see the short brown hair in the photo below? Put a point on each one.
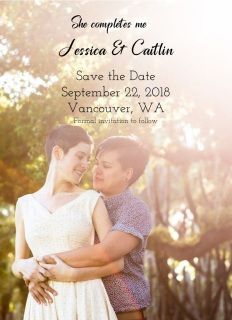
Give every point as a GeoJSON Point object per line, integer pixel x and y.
{"type": "Point", "coordinates": [66, 137]}
{"type": "Point", "coordinates": [132, 154]}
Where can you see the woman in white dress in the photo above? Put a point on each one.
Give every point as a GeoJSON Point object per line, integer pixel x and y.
{"type": "Point", "coordinates": [59, 217]}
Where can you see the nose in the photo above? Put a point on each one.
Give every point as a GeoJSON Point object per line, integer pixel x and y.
{"type": "Point", "coordinates": [84, 164]}
{"type": "Point", "coordinates": [96, 169]}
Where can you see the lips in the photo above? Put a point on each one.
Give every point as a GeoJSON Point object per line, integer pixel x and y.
{"type": "Point", "coordinates": [97, 179]}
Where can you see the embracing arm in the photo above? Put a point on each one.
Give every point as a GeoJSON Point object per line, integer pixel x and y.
{"type": "Point", "coordinates": [60, 271]}
{"type": "Point", "coordinates": [90, 273]}
{"type": "Point", "coordinates": [113, 246]}
{"type": "Point", "coordinates": [63, 272]}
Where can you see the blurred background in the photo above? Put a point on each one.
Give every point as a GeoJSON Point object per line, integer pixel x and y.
{"type": "Point", "coordinates": [188, 182]}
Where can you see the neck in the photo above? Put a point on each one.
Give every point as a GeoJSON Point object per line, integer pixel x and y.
{"type": "Point", "coordinates": [53, 184]}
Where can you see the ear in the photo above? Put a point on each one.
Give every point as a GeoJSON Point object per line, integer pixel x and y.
{"type": "Point", "coordinates": [58, 152]}
{"type": "Point", "coordinates": [129, 174]}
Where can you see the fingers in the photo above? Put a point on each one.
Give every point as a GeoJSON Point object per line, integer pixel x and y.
{"type": "Point", "coordinates": [40, 278]}
{"type": "Point", "coordinates": [34, 295]}
{"type": "Point", "coordinates": [40, 297]}
{"type": "Point", "coordinates": [47, 259]}
{"type": "Point", "coordinates": [50, 275]}
{"type": "Point", "coordinates": [46, 287]}
{"type": "Point", "coordinates": [41, 270]}
{"type": "Point", "coordinates": [46, 266]}
{"type": "Point", "coordinates": [46, 270]}
{"type": "Point", "coordinates": [45, 273]}
{"type": "Point", "coordinates": [42, 274]}
{"type": "Point", "coordinates": [39, 294]}
{"type": "Point", "coordinates": [46, 297]}
{"type": "Point", "coordinates": [55, 258]}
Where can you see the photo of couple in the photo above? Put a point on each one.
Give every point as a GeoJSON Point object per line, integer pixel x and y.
{"type": "Point", "coordinates": [115, 169]}
{"type": "Point", "coordinates": [68, 238]}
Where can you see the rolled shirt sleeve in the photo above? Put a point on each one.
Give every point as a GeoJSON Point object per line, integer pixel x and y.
{"type": "Point", "coordinates": [136, 220]}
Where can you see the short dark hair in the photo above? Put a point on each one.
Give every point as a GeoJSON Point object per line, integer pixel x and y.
{"type": "Point", "coordinates": [65, 136]}
{"type": "Point", "coordinates": [132, 154]}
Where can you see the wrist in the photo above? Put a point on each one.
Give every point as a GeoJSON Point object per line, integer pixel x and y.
{"type": "Point", "coordinates": [18, 268]}
{"type": "Point", "coordinates": [23, 263]}
{"type": "Point", "coordinates": [15, 270]}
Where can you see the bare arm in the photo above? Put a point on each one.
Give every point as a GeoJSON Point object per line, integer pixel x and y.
{"type": "Point", "coordinates": [28, 268]}
{"type": "Point", "coordinates": [90, 273]}
{"type": "Point", "coordinates": [62, 272]}
{"type": "Point", "coordinates": [113, 246]}
{"type": "Point", "coordinates": [22, 251]}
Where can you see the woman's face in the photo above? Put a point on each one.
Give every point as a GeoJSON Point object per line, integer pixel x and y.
{"type": "Point", "coordinates": [109, 177]}
{"type": "Point", "coordinates": [74, 163]}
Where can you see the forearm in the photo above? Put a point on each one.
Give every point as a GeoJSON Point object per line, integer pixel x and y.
{"type": "Point", "coordinates": [92, 256]}
{"type": "Point", "coordinates": [115, 246]}
{"type": "Point", "coordinates": [90, 273]}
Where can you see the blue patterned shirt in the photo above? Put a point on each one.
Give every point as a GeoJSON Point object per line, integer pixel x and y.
{"type": "Point", "coordinates": [128, 290]}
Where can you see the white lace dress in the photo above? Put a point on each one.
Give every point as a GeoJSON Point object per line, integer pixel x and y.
{"type": "Point", "coordinates": [69, 227]}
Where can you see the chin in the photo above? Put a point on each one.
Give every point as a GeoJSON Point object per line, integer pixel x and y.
{"type": "Point", "coordinates": [97, 186]}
